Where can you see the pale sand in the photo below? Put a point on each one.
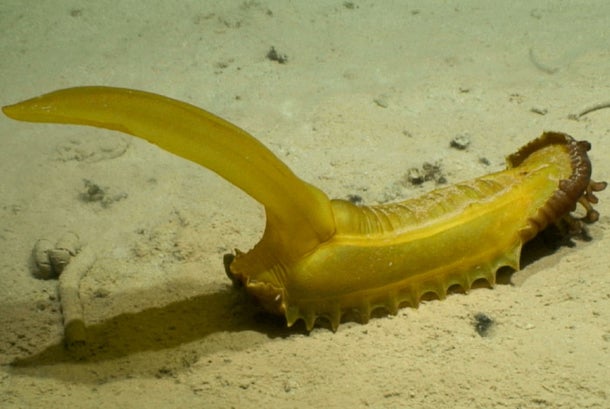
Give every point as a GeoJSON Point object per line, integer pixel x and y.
{"type": "Point", "coordinates": [370, 89]}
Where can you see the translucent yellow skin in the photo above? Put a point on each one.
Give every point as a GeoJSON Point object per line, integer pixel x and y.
{"type": "Point", "coordinates": [201, 137]}
{"type": "Point", "coordinates": [323, 258]}
{"type": "Point", "coordinates": [390, 255]}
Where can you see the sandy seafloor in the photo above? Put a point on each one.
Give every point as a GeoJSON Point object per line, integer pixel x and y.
{"type": "Point", "coordinates": [370, 89]}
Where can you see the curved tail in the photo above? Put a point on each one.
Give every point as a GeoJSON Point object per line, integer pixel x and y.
{"type": "Point", "coordinates": [293, 207]}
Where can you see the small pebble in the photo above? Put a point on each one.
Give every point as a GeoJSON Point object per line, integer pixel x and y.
{"type": "Point", "coordinates": [460, 142]}
{"type": "Point", "coordinates": [483, 324]}
{"type": "Point", "coordinates": [381, 101]}
{"type": "Point", "coordinates": [415, 177]}
{"type": "Point", "coordinates": [539, 110]}
{"type": "Point", "coordinates": [274, 55]}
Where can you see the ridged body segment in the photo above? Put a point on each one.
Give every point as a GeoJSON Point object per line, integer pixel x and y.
{"type": "Point", "coordinates": [391, 255]}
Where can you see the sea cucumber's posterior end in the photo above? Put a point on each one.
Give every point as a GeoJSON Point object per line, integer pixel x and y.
{"type": "Point", "coordinates": [8, 110]}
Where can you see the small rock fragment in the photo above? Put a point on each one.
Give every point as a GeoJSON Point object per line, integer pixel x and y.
{"type": "Point", "coordinates": [415, 177]}
{"type": "Point", "coordinates": [483, 324]}
{"type": "Point", "coordinates": [274, 55]}
{"type": "Point", "coordinates": [461, 141]}
{"type": "Point", "coordinates": [381, 101]}
{"type": "Point", "coordinates": [539, 110]}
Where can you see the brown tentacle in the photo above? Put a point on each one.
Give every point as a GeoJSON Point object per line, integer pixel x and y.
{"type": "Point", "coordinates": [588, 199]}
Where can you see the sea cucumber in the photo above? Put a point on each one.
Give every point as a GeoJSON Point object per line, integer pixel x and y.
{"type": "Point", "coordinates": [323, 258]}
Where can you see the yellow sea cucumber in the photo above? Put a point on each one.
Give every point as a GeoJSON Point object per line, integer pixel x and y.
{"type": "Point", "coordinates": [322, 258]}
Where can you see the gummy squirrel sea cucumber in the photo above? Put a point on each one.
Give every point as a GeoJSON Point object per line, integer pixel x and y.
{"type": "Point", "coordinates": [322, 258]}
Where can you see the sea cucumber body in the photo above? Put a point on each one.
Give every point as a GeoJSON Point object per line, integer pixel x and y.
{"type": "Point", "coordinates": [391, 255]}
{"type": "Point", "coordinates": [323, 258]}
